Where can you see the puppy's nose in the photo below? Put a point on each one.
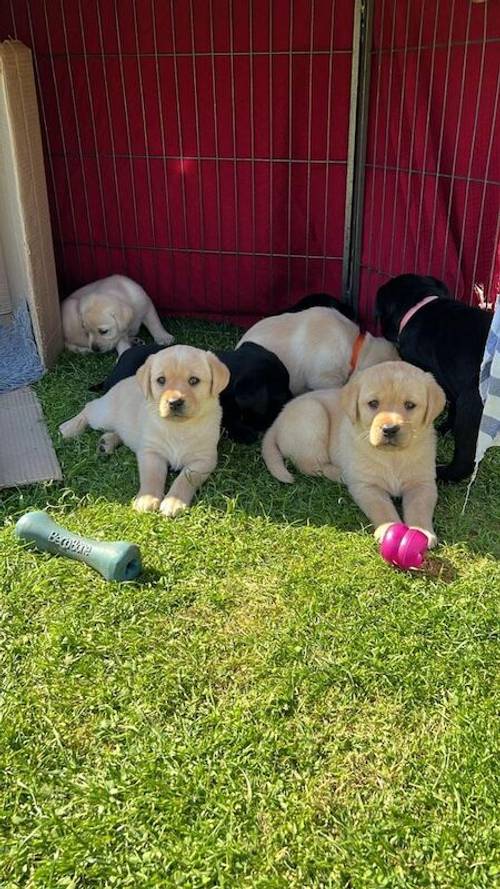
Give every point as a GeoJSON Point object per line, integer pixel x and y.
{"type": "Point", "coordinates": [175, 404]}
{"type": "Point", "coordinates": [95, 347]}
{"type": "Point", "coordinates": [390, 431]}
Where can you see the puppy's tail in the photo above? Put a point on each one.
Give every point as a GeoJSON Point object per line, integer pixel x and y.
{"type": "Point", "coordinates": [273, 458]}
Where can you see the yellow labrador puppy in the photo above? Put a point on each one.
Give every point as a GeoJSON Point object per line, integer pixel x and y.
{"type": "Point", "coordinates": [375, 434]}
{"type": "Point", "coordinates": [169, 415]}
{"type": "Point", "coordinates": [105, 315]}
{"type": "Point", "coordinates": [319, 347]}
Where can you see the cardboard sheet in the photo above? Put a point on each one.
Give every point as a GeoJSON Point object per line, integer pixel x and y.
{"type": "Point", "coordinates": [26, 451]}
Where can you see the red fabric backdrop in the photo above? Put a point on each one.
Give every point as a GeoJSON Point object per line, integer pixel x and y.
{"type": "Point", "coordinates": [200, 145]}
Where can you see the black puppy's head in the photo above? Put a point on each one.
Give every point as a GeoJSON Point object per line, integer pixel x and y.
{"type": "Point", "coordinates": [252, 398]}
{"type": "Point", "coordinates": [257, 391]}
{"type": "Point", "coordinates": [396, 297]}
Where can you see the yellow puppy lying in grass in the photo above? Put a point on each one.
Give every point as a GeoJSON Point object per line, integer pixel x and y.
{"type": "Point", "coordinates": [375, 434]}
{"type": "Point", "coordinates": [169, 415]}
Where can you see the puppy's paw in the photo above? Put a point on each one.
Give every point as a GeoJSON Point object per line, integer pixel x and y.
{"type": "Point", "coordinates": [146, 503]}
{"type": "Point", "coordinates": [450, 473]}
{"type": "Point", "coordinates": [380, 531]}
{"type": "Point", "coordinates": [165, 339]}
{"type": "Point", "coordinates": [172, 506]}
{"type": "Point", "coordinates": [242, 434]}
{"type": "Point", "coordinates": [72, 428]}
{"type": "Point", "coordinates": [108, 443]}
{"type": "Point", "coordinates": [431, 537]}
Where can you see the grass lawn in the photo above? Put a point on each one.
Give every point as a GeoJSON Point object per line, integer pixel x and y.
{"type": "Point", "coordinates": [269, 705]}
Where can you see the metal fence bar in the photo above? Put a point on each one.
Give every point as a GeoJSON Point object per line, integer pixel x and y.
{"type": "Point", "coordinates": [181, 147]}
{"type": "Point", "coordinates": [441, 135]}
{"type": "Point", "coordinates": [145, 132]}
{"type": "Point", "coordinates": [63, 140]}
{"type": "Point", "coordinates": [412, 140]}
{"type": "Point", "coordinates": [358, 123]}
{"type": "Point", "coordinates": [400, 132]}
{"type": "Point", "coordinates": [328, 141]}
{"type": "Point", "coordinates": [469, 166]}
{"type": "Point", "coordinates": [234, 159]}
{"type": "Point", "coordinates": [127, 130]}
{"type": "Point", "coordinates": [93, 125]}
{"type": "Point", "coordinates": [426, 136]}
{"type": "Point", "coordinates": [455, 150]}
{"type": "Point", "coordinates": [271, 144]}
{"type": "Point", "coordinates": [309, 136]}
{"type": "Point", "coordinates": [112, 140]}
{"type": "Point", "coordinates": [290, 118]}
{"type": "Point", "coordinates": [159, 97]}
{"type": "Point", "coordinates": [493, 133]}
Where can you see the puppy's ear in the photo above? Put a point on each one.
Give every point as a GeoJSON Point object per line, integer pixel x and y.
{"type": "Point", "coordinates": [123, 315]}
{"type": "Point", "coordinates": [349, 399]}
{"type": "Point", "coordinates": [143, 376]}
{"type": "Point", "coordinates": [220, 374]}
{"type": "Point", "coordinates": [436, 400]}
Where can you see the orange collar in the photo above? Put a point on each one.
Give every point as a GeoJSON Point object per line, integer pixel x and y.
{"type": "Point", "coordinates": [356, 349]}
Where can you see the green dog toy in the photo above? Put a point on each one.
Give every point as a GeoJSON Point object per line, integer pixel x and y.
{"type": "Point", "coordinates": [115, 561]}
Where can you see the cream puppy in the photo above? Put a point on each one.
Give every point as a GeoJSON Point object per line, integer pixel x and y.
{"type": "Point", "coordinates": [375, 434]}
{"type": "Point", "coordinates": [105, 315]}
{"type": "Point", "coordinates": [169, 415]}
{"type": "Point", "coordinates": [319, 347]}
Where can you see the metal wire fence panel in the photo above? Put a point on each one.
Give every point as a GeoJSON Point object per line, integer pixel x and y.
{"type": "Point", "coordinates": [201, 146]}
{"type": "Point", "coordinates": [432, 184]}
{"type": "Point", "coordinates": [197, 146]}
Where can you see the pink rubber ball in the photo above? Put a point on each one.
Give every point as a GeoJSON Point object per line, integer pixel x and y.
{"type": "Point", "coordinates": [403, 546]}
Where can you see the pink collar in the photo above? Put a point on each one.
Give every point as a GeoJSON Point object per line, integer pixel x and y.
{"type": "Point", "coordinates": [411, 312]}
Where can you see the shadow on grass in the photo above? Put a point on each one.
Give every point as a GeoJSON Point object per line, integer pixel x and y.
{"type": "Point", "coordinates": [241, 481]}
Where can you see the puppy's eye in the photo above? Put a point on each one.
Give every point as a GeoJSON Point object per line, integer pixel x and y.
{"type": "Point", "coordinates": [160, 381]}
{"type": "Point", "coordinates": [374, 403]}
{"type": "Point", "coordinates": [103, 330]}
{"type": "Point", "coordinates": [193, 381]}
{"type": "Point", "coordinates": [409, 405]}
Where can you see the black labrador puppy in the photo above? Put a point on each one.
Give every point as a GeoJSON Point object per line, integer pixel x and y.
{"type": "Point", "coordinates": [258, 387]}
{"type": "Point", "coordinates": [447, 338]}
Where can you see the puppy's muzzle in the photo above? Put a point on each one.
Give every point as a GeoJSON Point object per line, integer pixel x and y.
{"type": "Point", "coordinates": [390, 433]}
{"type": "Point", "coordinates": [95, 347]}
{"type": "Point", "coordinates": [176, 405]}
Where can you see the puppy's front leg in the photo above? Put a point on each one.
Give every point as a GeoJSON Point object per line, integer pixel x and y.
{"type": "Point", "coordinates": [123, 345]}
{"type": "Point", "coordinates": [156, 328]}
{"type": "Point", "coordinates": [419, 502]}
{"type": "Point", "coordinates": [185, 486]}
{"type": "Point", "coordinates": [152, 475]}
{"type": "Point", "coordinates": [376, 504]}
{"type": "Point", "coordinates": [72, 347]}
{"type": "Point", "coordinates": [74, 427]}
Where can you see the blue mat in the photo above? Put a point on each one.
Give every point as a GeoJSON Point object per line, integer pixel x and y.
{"type": "Point", "coordinates": [19, 360]}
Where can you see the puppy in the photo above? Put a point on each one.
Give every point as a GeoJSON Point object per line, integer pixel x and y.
{"type": "Point", "coordinates": [313, 300]}
{"type": "Point", "coordinates": [105, 315]}
{"type": "Point", "coordinates": [375, 434]}
{"type": "Point", "coordinates": [169, 415]}
{"type": "Point", "coordinates": [447, 338]}
{"type": "Point", "coordinates": [258, 387]}
{"type": "Point", "coordinates": [319, 347]}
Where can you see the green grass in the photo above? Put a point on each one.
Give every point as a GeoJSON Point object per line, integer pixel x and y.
{"type": "Point", "coordinates": [270, 705]}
